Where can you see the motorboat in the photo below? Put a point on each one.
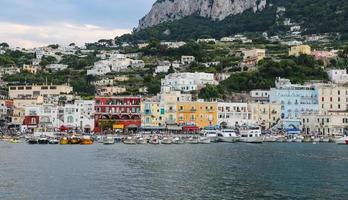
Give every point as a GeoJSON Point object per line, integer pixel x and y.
{"type": "Point", "coordinates": [129, 140]}
{"type": "Point", "coordinates": [191, 140]}
{"type": "Point", "coordinates": [86, 140]}
{"type": "Point", "coordinates": [204, 140]}
{"type": "Point", "coordinates": [53, 141]}
{"type": "Point", "coordinates": [178, 140]}
{"type": "Point", "coordinates": [251, 135]}
{"type": "Point", "coordinates": [141, 140]}
{"type": "Point", "coordinates": [227, 135]}
{"type": "Point", "coordinates": [43, 140]}
{"type": "Point", "coordinates": [211, 132]}
{"type": "Point", "coordinates": [108, 139]}
{"type": "Point", "coordinates": [154, 140]}
{"type": "Point", "coordinates": [166, 140]}
{"type": "Point", "coordinates": [74, 140]}
{"type": "Point", "coordinates": [63, 141]}
{"type": "Point", "coordinates": [14, 141]}
{"type": "Point", "coordinates": [342, 140]}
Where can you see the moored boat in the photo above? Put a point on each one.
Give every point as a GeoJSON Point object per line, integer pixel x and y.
{"type": "Point", "coordinates": [86, 140]}
{"type": "Point", "coordinates": [63, 141]}
{"type": "Point", "coordinates": [32, 140]}
{"type": "Point", "coordinates": [53, 141]}
{"type": "Point", "coordinates": [204, 140]}
{"type": "Point", "coordinates": [251, 135]}
{"type": "Point", "coordinates": [108, 139]}
{"type": "Point", "coordinates": [74, 140]}
{"type": "Point", "coordinates": [43, 140]}
{"type": "Point", "coordinates": [191, 140]}
{"type": "Point", "coordinates": [166, 140]}
{"type": "Point", "coordinates": [14, 141]}
{"type": "Point", "coordinates": [129, 140]}
{"type": "Point", "coordinates": [227, 135]}
{"type": "Point", "coordinates": [178, 140]}
{"type": "Point", "coordinates": [342, 140]}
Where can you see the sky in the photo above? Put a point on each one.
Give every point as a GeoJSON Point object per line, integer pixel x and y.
{"type": "Point", "coordinates": [32, 23]}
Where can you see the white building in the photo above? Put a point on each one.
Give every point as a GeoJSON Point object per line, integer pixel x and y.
{"type": "Point", "coordinates": [260, 95]}
{"type": "Point", "coordinates": [137, 63]}
{"type": "Point", "coordinates": [338, 76]}
{"type": "Point", "coordinates": [80, 115]}
{"type": "Point", "coordinates": [187, 82]}
{"type": "Point", "coordinates": [57, 67]}
{"type": "Point", "coordinates": [100, 68]}
{"type": "Point", "coordinates": [207, 40]}
{"type": "Point", "coordinates": [33, 91]}
{"type": "Point", "coordinates": [233, 114]}
{"type": "Point", "coordinates": [173, 45]}
{"type": "Point", "coordinates": [187, 59]}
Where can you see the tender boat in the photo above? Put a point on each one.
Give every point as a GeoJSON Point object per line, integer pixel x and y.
{"type": "Point", "coordinates": [178, 140]}
{"type": "Point", "coordinates": [109, 139]}
{"type": "Point", "coordinates": [53, 141]}
{"type": "Point", "coordinates": [63, 141]}
{"type": "Point", "coordinates": [166, 140]}
{"type": "Point", "coordinates": [191, 140]}
{"type": "Point", "coordinates": [32, 140]}
{"type": "Point", "coordinates": [204, 140]}
{"type": "Point", "coordinates": [86, 140]}
{"type": "Point", "coordinates": [211, 132]}
{"type": "Point", "coordinates": [154, 140]}
{"type": "Point", "coordinates": [15, 141]}
{"type": "Point", "coordinates": [129, 140]}
{"type": "Point", "coordinates": [227, 135]}
{"type": "Point", "coordinates": [251, 135]}
{"type": "Point", "coordinates": [74, 140]}
{"type": "Point", "coordinates": [342, 140]}
{"type": "Point", "coordinates": [43, 140]}
{"type": "Point", "coordinates": [141, 140]}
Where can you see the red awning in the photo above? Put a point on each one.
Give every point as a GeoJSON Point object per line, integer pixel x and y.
{"type": "Point", "coordinates": [63, 128]}
{"type": "Point", "coordinates": [190, 128]}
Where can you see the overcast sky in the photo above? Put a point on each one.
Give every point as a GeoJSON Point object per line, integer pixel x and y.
{"type": "Point", "coordinates": [29, 23]}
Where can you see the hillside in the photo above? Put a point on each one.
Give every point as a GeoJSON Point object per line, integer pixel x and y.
{"type": "Point", "coordinates": [315, 16]}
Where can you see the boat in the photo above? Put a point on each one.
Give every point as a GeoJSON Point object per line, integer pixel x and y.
{"type": "Point", "coordinates": [191, 140]}
{"type": "Point", "coordinates": [86, 140]}
{"type": "Point", "coordinates": [204, 140]}
{"type": "Point", "coordinates": [342, 140]}
{"type": "Point", "coordinates": [251, 135]}
{"type": "Point", "coordinates": [14, 141]}
{"type": "Point", "coordinates": [74, 140]}
{"type": "Point", "coordinates": [178, 140]}
{"type": "Point", "coordinates": [211, 132]}
{"type": "Point", "coordinates": [108, 139]}
{"type": "Point", "coordinates": [43, 140]}
{"type": "Point", "coordinates": [154, 140]}
{"type": "Point", "coordinates": [63, 141]}
{"type": "Point", "coordinates": [227, 135]}
{"type": "Point", "coordinates": [166, 140]}
{"type": "Point", "coordinates": [129, 140]}
{"type": "Point", "coordinates": [32, 140]}
{"type": "Point", "coordinates": [298, 139]}
{"type": "Point", "coordinates": [53, 141]}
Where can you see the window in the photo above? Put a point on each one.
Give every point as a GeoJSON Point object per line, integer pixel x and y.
{"type": "Point", "coordinates": [70, 119]}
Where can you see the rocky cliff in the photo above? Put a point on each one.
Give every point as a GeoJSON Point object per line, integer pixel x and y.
{"type": "Point", "coordinates": [169, 10]}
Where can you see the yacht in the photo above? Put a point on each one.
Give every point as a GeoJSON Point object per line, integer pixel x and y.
{"type": "Point", "coordinates": [178, 140]}
{"type": "Point", "coordinates": [251, 135]}
{"type": "Point", "coordinates": [129, 140]}
{"type": "Point", "coordinates": [204, 140]}
{"type": "Point", "coordinates": [211, 133]}
{"type": "Point", "coordinates": [166, 140]}
{"type": "Point", "coordinates": [43, 140]}
{"type": "Point", "coordinates": [191, 140]}
{"type": "Point", "coordinates": [108, 139]}
{"type": "Point", "coordinates": [227, 135]}
{"type": "Point", "coordinates": [53, 141]}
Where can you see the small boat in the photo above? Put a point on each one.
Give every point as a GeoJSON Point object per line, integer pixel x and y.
{"type": "Point", "coordinates": [53, 141]}
{"type": "Point", "coordinates": [74, 140]}
{"type": "Point", "coordinates": [154, 140]}
{"type": "Point", "coordinates": [141, 140]}
{"type": "Point", "coordinates": [33, 140]}
{"type": "Point", "coordinates": [298, 139]}
{"type": "Point", "coordinates": [43, 140]}
{"type": "Point", "coordinates": [63, 141]}
{"type": "Point", "coordinates": [14, 141]}
{"type": "Point", "coordinates": [166, 140]}
{"type": "Point", "coordinates": [211, 132]}
{"type": "Point", "coordinates": [86, 140]}
{"type": "Point", "coordinates": [204, 140]}
{"type": "Point", "coordinates": [251, 135]}
{"type": "Point", "coordinates": [342, 140]}
{"type": "Point", "coordinates": [129, 140]}
{"type": "Point", "coordinates": [109, 139]}
{"type": "Point", "coordinates": [178, 140]}
{"type": "Point", "coordinates": [191, 140]}
{"type": "Point", "coordinates": [227, 135]}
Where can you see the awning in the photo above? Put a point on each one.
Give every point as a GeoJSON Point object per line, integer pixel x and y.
{"type": "Point", "coordinates": [190, 128]}
{"type": "Point", "coordinates": [152, 128]}
{"type": "Point", "coordinates": [174, 128]}
{"type": "Point", "coordinates": [118, 126]}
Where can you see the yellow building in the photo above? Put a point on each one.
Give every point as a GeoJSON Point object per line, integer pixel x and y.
{"type": "Point", "coordinates": [300, 49]}
{"type": "Point", "coordinates": [255, 54]}
{"type": "Point", "coordinates": [151, 116]}
{"type": "Point", "coordinates": [31, 69]}
{"type": "Point", "coordinates": [265, 114]}
{"type": "Point", "coordinates": [198, 113]}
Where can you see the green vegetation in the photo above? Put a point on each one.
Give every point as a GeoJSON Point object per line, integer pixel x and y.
{"type": "Point", "coordinates": [79, 63]}
{"type": "Point", "coordinates": [46, 60]}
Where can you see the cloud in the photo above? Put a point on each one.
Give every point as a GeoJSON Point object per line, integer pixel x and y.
{"type": "Point", "coordinates": [28, 36]}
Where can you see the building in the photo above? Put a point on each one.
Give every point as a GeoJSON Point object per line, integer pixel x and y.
{"type": "Point", "coordinates": [173, 45]}
{"type": "Point", "coordinates": [100, 68]}
{"type": "Point", "coordinates": [260, 96]}
{"type": "Point", "coordinates": [118, 113]}
{"type": "Point", "coordinates": [33, 91]}
{"type": "Point", "coordinates": [110, 90]}
{"type": "Point", "coordinates": [332, 98]}
{"type": "Point", "coordinates": [294, 99]}
{"type": "Point", "coordinates": [57, 67]}
{"type": "Point", "coordinates": [254, 54]}
{"type": "Point", "coordinates": [265, 115]}
{"type": "Point", "coordinates": [41, 116]}
{"type": "Point", "coordinates": [187, 59]}
{"type": "Point", "coordinates": [206, 40]}
{"type": "Point", "coordinates": [300, 49]}
{"type": "Point", "coordinates": [338, 76]}
{"type": "Point", "coordinates": [137, 63]}
{"type": "Point", "coordinates": [187, 82]}
{"type": "Point", "coordinates": [79, 115]}
{"type": "Point", "coordinates": [31, 69]}
{"type": "Point", "coordinates": [198, 113]}
{"type": "Point", "coordinates": [233, 114]}
{"type": "Point", "coordinates": [329, 123]}
{"type": "Point", "coordinates": [151, 114]}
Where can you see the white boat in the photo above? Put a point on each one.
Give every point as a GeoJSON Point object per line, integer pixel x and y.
{"type": "Point", "coordinates": [53, 141]}
{"type": "Point", "coordinates": [166, 140]}
{"type": "Point", "coordinates": [109, 139]}
{"type": "Point", "coordinates": [211, 133]}
{"type": "Point", "coordinates": [191, 140]}
{"type": "Point", "coordinates": [227, 135]}
{"type": "Point", "coordinates": [342, 140]}
{"type": "Point", "coordinates": [204, 140]}
{"type": "Point", "coordinates": [251, 135]}
{"type": "Point", "coordinates": [178, 140]}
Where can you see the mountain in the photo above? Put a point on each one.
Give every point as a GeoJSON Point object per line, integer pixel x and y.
{"type": "Point", "coordinates": [169, 10]}
{"type": "Point", "coordinates": [192, 19]}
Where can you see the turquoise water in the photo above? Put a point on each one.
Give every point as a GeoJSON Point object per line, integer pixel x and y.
{"type": "Point", "coordinates": [216, 171]}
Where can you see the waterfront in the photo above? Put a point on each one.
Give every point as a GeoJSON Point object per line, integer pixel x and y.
{"type": "Point", "coordinates": [216, 171]}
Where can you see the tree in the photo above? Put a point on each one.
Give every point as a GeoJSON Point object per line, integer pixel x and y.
{"type": "Point", "coordinates": [171, 69]}
{"type": "Point", "coordinates": [209, 92]}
